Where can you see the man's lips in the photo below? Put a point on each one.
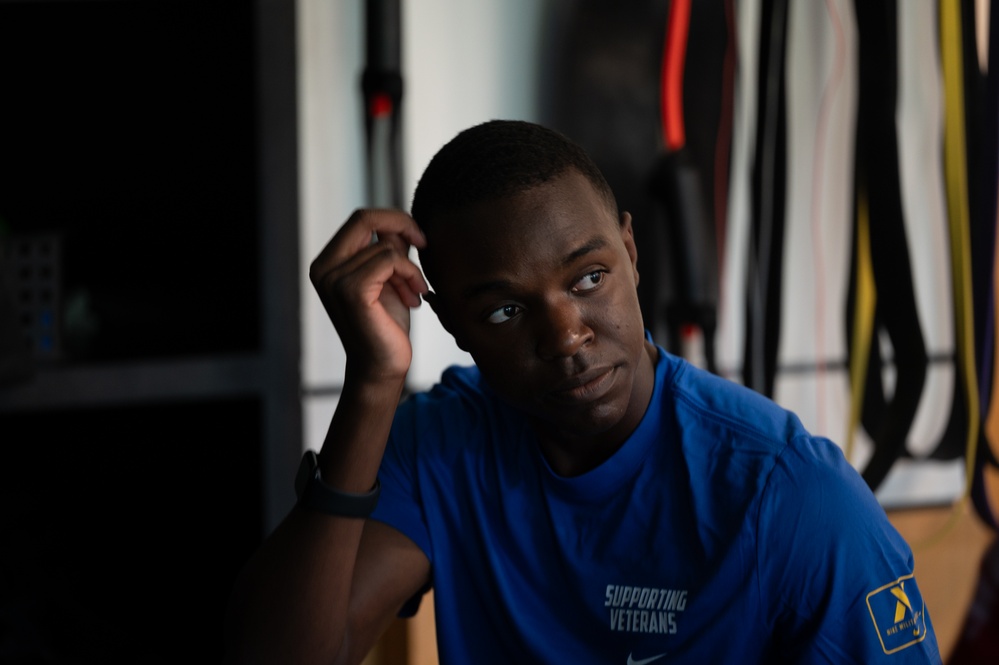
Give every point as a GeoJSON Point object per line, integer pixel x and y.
{"type": "Point", "coordinates": [585, 387]}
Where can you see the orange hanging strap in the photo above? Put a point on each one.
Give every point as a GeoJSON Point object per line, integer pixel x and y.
{"type": "Point", "coordinates": [671, 88]}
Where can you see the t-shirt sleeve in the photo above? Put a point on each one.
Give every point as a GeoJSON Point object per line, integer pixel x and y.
{"type": "Point", "coordinates": [836, 578]}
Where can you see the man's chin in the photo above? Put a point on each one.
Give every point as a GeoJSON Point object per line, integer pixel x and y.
{"type": "Point", "coordinates": [582, 423]}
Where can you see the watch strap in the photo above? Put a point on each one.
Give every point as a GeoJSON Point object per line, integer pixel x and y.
{"type": "Point", "coordinates": [316, 495]}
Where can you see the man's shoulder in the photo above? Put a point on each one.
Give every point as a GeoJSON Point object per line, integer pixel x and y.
{"type": "Point", "coordinates": [728, 411]}
{"type": "Point", "coordinates": [460, 400]}
{"type": "Point", "coordinates": [458, 384]}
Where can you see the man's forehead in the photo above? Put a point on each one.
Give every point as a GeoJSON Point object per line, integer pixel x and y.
{"type": "Point", "coordinates": [568, 179]}
{"type": "Point", "coordinates": [548, 223]}
{"type": "Point", "coordinates": [536, 206]}
{"type": "Point", "coordinates": [471, 268]}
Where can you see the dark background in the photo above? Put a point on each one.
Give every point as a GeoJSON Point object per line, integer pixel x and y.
{"type": "Point", "coordinates": [130, 137]}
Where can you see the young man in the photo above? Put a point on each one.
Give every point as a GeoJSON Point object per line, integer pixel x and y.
{"type": "Point", "coordinates": [579, 496]}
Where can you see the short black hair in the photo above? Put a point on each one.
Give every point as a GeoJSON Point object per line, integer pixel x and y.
{"type": "Point", "coordinates": [496, 159]}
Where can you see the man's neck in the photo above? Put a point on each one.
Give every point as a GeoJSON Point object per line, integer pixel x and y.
{"type": "Point", "coordinates": [570, 454]}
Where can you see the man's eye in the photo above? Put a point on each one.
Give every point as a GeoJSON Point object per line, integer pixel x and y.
{"type": "Point", "coordinates": [590, 281]}
{"type": "Point", "coordinates": [504, 313]}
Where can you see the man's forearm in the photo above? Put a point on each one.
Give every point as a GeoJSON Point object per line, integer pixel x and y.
{"type": "Point", "coordinates": [291, 602]}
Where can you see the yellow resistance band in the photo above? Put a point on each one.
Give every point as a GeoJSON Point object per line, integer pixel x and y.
{"type": "Point", "coordinates": [863, 319]}
{"type": "Point", "coordinates": [956, 179]}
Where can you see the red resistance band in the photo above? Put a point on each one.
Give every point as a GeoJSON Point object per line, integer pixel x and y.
{"type": "Point", "coordinates": [671, 84]}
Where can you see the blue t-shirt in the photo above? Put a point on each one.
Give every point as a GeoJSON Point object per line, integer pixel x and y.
{"type": "Point", "coordinates": [720, 532]}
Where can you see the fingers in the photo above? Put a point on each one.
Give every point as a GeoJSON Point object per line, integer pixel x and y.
{"type": "Point", "coordinates": [369, 287]}
{"type": "Point", "coordinates": [392, 225]}
{"type": "Point", "coordinates": [406, 290]}
{"type": "Point", "coordinates": [374, 265]}
{"type": "Point", "coordinates": [383, 263]}
{"type": "Point", "coordinates": [352, 246]}
{"type": "Point", "coordinates": [353, 269]}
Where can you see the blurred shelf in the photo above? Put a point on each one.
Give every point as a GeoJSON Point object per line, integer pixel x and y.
{"type": "Point", "coordinates": [137, 382]}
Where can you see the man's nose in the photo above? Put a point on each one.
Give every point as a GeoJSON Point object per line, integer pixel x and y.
{"type": "Point", "coordinates": [561, 330]}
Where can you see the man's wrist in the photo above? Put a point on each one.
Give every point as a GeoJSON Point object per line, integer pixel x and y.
{"type": "Point", "coordinates": [314, 494]}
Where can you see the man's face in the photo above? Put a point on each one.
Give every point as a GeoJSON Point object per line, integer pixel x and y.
{"type": "Point", "coordinates": [540, 289]}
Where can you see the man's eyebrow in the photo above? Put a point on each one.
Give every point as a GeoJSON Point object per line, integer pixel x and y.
{"type": "Point", "coordinates": [592, 245]}
{"type": "Point", "coordinates": [486, 287]}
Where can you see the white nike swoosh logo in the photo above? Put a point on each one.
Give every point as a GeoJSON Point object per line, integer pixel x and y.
{"type": "Point", "coordinates": [632, 661]}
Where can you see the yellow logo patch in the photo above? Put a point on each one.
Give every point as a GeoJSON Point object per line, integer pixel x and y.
{"type": "Point", "coordinates": [898, 614]}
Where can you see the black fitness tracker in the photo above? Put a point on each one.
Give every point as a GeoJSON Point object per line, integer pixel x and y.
{"type": "Point", "coordinates": [316, 495]}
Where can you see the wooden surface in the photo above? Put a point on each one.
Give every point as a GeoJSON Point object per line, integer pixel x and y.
{"type": "Point", "coordinates": [948, 544]}
{"type": "Point", "coordinates": [408, 641]}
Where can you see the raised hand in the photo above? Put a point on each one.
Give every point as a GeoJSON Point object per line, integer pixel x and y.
{"type": "Point", "coordinates": [367, 283]}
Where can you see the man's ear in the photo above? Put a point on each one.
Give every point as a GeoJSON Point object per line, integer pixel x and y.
{"type": "Point", "coordinates": [440, 309]}
{"type": "Point", "coordinates": [628, 236]}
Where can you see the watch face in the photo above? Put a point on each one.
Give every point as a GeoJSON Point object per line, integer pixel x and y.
{"type": "Point", "coordinates": [306, 472]}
